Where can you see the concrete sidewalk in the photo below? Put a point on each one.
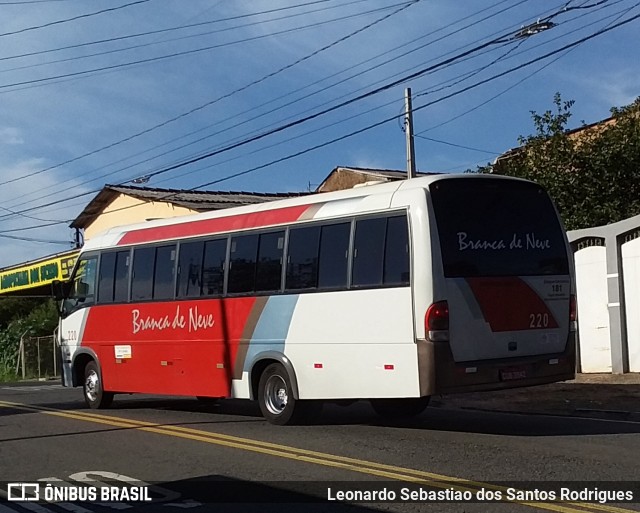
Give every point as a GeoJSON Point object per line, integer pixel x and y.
{"type": "Point", "coordinates": [611, 396]}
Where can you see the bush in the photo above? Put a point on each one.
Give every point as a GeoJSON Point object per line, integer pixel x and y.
{"type": "Point", "coordinates": [41, 320]}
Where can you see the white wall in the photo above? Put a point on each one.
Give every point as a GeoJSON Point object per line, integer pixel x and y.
{"type": "Point", "coordinates": [593, 313]}
{"type": "Point", "coordinates": [631, 276]}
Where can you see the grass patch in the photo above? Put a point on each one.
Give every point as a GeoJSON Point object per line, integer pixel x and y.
{"type": "Point", "coordinates": [7, 374]}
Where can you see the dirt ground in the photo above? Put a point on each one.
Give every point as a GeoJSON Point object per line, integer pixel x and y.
{"type": "Point", "coordinates": [589, 395]}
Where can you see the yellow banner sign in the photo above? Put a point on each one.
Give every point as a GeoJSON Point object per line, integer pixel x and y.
{"type": "Point", "coordinates": [38, 274]}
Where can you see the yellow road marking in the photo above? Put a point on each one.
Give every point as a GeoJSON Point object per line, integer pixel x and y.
{"type": "Point", "coordinates": [315, 457]}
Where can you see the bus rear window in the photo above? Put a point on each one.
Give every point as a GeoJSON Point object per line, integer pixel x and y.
{"type": "Point", "coordinates": [497, 228]}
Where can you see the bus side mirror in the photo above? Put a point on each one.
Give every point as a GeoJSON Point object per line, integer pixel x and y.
{"type": "Point", "coordinates": [59, 289]}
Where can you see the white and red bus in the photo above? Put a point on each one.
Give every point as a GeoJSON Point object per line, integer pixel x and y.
{"type": "Point", "coordinates": [391, 292]}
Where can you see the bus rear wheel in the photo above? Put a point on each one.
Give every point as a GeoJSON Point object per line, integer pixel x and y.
{"type": "Point", "coordinates": [399, 408]}
{"type": "Point", "coordinates": [94, 395]}
{"type": "Point", "coordinates": [276, 401]}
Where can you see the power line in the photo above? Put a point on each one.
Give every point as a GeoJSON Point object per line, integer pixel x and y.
{"type": "Point", "coordinates": [112, 67]}
{"type": "Point", "coordinates": [616, 15]}
{"type": "Point", "coordinates": [190, 36]}
{"type": "Point", "coordinates": [171, 29]}
{"type": "Point", "coordinates": [29, 239]}
{"type": "Point", "coordinates": [457, 145]}
{"type": "Point", "coordinates": [32, 2]}
{"type": "Point", "coordinates": [75, 18]}
{"type": "Point", "coordinates": [290, 103]}
{"type": "Point", "coordinates": [182, 164]}
{"type": "Point", "coordinates": [393, 118]}
{"type": "Point", "coordinates": [403, 5]}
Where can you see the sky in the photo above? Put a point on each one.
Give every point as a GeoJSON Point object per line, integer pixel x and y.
{"type": "Point", "coordinates": [271, 95]}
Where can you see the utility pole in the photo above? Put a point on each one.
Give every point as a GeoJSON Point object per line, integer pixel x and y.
{"type": "Point", "coordinates": [408, 130]}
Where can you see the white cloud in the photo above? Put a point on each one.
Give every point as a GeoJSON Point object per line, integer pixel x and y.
{"type": "Point", "coordinates": [10, 136]}
{"type": "Point", "coordinates": [620, 88]}
{"type": "Point", "coordinates": [14, 251]}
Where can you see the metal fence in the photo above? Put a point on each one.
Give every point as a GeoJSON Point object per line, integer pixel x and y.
{"type": "Point", "coordinates": [38, 357]}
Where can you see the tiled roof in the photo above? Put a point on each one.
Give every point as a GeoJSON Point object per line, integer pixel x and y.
{"type": "Point", "coordinates": [194, 200]}
{"type": "Point", "coordinates": [202, 200]}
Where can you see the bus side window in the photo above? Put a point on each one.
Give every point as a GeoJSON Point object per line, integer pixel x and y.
{"type": "Point", "coordinates": [113, 281]}
{"type": "Point", "coordinates": [143, 269]}
{"type": "Point", "coordinates": [334, 248]}
{"type": "Point", "coordinates": [242, 262]}
{"type": "Point", "coordinates": [368, 251]}
{"type": "Point", "coordinates": [121, 278]}
{"type": "Point", "coordinates": [269, 265]}
{"type": "Point", "coordinates": [302, 260]}
{"type": "Point", "coordinates": [164, 273]}
{"type": "Point", "coordinates": [106, 277]}
{"type": "Point", "coordinates": [215, 255]}
{"type": "Point", "coordinates": [190, 269]}
{"type": "Point", "coordinates": [396, 253]}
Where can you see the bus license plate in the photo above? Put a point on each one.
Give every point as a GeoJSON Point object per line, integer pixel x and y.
{"type": "Point", "coordinates": [513, 374]}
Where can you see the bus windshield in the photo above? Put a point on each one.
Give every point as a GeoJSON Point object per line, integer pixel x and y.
{"type": "Point", "coordinates": [497, 228]}
{"type": "Point", "coordinates": [83, 284]}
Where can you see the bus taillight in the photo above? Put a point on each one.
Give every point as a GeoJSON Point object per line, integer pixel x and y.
{"type": "Point", "coordinates": [573, 313]}
{"type": "Point", "coordinates": [436, 322]}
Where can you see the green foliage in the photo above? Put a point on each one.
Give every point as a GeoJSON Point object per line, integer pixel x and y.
{"type": "Point", "coordinates": [7, 373]}
{"type": "Point", "coordinates": [592, 175]}
{"type": "Point", "coordinates": [19, 316]}
{"type": "Point", "coordinates": [12, 308]}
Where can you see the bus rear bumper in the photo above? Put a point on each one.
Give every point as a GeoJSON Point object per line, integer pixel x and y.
{"type": "Point", "coordinates": [452, 377]}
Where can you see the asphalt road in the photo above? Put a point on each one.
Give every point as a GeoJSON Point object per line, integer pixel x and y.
{"type": "Point", "coordinates": [225, 457]}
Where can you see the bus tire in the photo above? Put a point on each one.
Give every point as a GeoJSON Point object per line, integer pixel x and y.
{"type": "Point", "coordinates": [276, 401]}
{"type": "Point", "coordinates": [94, 395]}
{"type": "Point", "coordinates": [399, 408]}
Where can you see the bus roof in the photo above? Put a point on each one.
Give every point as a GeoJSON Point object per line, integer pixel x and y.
{"type": "Point", "coordinates": [243, 217]}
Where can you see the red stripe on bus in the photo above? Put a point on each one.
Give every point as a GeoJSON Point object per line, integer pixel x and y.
{"type": "Point", "coordinates": [217, 225]}
{"type": "Point", "coordinates": [510, 304]}
{"type": "Point", "coordinates": [177, 347]}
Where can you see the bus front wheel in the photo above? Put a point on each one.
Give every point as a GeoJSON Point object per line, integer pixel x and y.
{"type": "Point", "coordinates": [398, 408]}
{"type": "Point", "coordinates": [94, 395]}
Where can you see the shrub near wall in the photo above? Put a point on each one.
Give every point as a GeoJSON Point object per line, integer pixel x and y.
{"type": "Point", "coordinates": [36, 317]}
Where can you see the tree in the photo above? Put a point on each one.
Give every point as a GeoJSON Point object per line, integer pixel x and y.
{"type": "Point", "coordinates": [35, 317]}
{"type": "Point", "coordinates": [12, 308]}
{"type": "Point", "coordinates": [592, 174]}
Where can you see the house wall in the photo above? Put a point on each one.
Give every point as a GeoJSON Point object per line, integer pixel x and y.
{"type": "Point", "coordinates": [608, 312]}
{"type": "Point", "coordinates": [591, 288]}
{"type": "Point", "coordinates": [126, 210]}
{"type": "Point", "coordinates": [345, 179]}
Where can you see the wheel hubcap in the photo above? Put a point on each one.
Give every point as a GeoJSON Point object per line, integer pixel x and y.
{"type": "Point", "coordinates": [276, 395]}
{"type": "Point", "coordinates": [91, 385]}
